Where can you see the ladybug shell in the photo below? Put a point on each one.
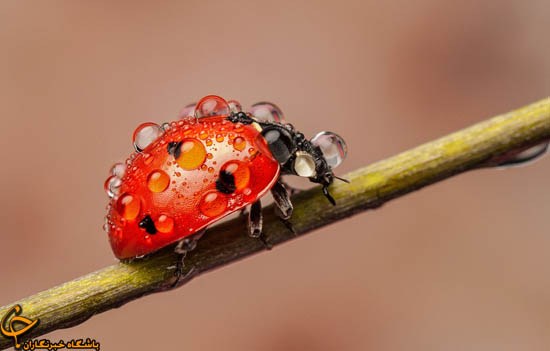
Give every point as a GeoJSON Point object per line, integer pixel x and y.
{"type": "Point", "coordinates": [197, 172]}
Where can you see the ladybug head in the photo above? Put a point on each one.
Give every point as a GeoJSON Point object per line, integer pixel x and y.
{"type": "Point", "coordinates": [314, 159]}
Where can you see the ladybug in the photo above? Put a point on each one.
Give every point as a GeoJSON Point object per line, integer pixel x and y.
{"type": "Point", "coordinates": [213, 161]}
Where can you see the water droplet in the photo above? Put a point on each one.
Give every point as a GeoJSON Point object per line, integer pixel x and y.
{"type": "Point", "coordinates": [240, 172]}
{"type": "Point", "coordinates": [332, 146]}
{"type": "Point", "coordinates": [210, 169]}
{"type": "Point", "coordinates": [212, 105]}
{"type": "Point", "coordinates": [145, 134]}
{"type": "Point", "coordinates": [165, 126]}
{"type": "Point", "coordinates": [128, 206]}
{"type": "Point", "coordinates": [164, 224]}
{"type": "Point", "coordinates": [106, 227]}
{"type": "Point", "coordinates": [187, 111]}
{"type": "Point", "coordinates": [192, 154]}
{"type": "Point", "coordinates": [112, 186]}
{"type": "Point", "coordinates": [213, 204]}
{"type": "Point", "coordinates": [267, 112]}
{"type": "Point", "coordinates": [523, 157]}
{"type": "Point", "coordinates": [247, 191]}
{"type": "Point", "coordinates": [204, 167]}
{"type": "Point", "coordinates": [219, 138]}
{"type": "Point", "coordinates": [147, 159]}
{"type": "Point", "coordinates": [158, 181]}
{"type": "Point", "coordinates": [235, 106]}
{"type": "Point", "coordinates": [118, 169]}
{"type": "Point", "coordinates": [239, 143]}
{"type": "Point", "coordinates": [209, 156]}
{"type": "Point", "coordinates": [208, 142]}
{"type": "Point", "coordinates": [239, 127]}
{"type": "Point", "coordinates": [203, 134]}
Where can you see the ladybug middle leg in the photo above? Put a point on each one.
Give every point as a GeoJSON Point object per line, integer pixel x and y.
{"type": "Point", "coordinates": [255, 223]}
{"type": "Point", "coordinates": [181, 249]}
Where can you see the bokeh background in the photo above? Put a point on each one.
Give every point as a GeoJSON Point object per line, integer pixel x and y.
{"type": "Point", "coordinates": [460, 265]}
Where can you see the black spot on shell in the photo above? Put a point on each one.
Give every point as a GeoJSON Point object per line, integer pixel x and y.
{"type": "Point", "coordinates": [174, 149]}
{"type": "Point", "coordinates": [226, 183]}
{"type": "Point", "coordinates": [148, 224]}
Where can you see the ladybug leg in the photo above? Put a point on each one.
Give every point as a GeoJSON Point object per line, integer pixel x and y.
{"type": "Point", "coordinates": [255, 221]}
{"type": "Point", "coordinates": [182, 248]}
{"type": "Point", "coordinates": [283, 205]}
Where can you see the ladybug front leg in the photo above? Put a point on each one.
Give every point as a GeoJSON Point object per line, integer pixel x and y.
{"type": "Point", "coordinates": [283, 205]}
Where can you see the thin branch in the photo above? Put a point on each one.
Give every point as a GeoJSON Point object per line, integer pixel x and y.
{"type": "Point", "coordinates": [478, 146]}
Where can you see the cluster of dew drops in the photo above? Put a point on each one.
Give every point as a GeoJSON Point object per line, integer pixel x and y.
{"type": "Point", "coordinates": [147, 133]}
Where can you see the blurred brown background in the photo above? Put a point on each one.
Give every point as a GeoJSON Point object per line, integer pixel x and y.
{"type": "Point", "coordinates": [461, 265]}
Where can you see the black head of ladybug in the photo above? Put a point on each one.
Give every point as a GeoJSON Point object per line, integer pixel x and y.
{"type": "Point", "coordinates": [314, 159]}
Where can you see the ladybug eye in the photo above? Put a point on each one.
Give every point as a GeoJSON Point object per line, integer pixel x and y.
{"type": "Point", "coordinates": [212, 105]}
{"type": "Point", "coordinates": [145, 134]}
{"type": "Point", "coordinates": [279, 142]}
{"type": "Point", "coordinates": [267, 112]}
{"type": "Point", "coordinates": [332, 146]}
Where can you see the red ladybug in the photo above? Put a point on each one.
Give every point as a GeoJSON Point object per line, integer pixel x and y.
{"type": "Point", "coordinates": [214, 161]}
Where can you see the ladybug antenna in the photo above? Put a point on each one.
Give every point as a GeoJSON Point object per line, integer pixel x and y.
{"type": "Point", "coordinates": [342, 179]}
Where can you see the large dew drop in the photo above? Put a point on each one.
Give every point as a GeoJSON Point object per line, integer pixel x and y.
{"type": "Point", "coordinates": [267, 112]}
{"type": "Point", "coordinates": [212, 105]}
{"type": "Point", "coordinates": [332, 146]}
{"type": "Point", "coordinates": [192, 154]}
{"type": "Point", "coordinates": [145, 134]}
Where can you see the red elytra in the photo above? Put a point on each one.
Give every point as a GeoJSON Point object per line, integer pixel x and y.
{"type": "Point", "coordinates": [173, 183]}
